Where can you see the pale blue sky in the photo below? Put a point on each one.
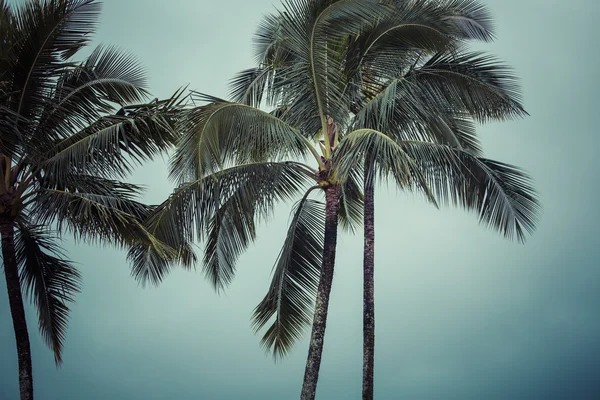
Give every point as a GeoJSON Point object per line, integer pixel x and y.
{"type": "Point", "coordinates": [461, 313]}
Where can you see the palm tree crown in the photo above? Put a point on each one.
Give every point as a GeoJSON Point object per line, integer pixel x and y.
{"type": "Point", "coordinates": [69, 131]}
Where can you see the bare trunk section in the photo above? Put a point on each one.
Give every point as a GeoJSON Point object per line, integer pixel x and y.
{"type": "Point", "coordinates": [313, 363]}
{"type": "Point", "coordinates": [15, 299]}
{"type": "Point", "coordinates": [369, 287]}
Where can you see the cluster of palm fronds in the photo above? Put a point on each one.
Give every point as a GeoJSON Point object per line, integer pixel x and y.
{"type": "Point", "coordinates": [70, 132]}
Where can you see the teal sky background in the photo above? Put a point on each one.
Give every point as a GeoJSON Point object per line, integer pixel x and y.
{"type": "Point", "coordinates": [461, 313]}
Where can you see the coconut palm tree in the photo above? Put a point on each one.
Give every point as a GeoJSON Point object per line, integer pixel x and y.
{"type": "Point", "coordinates": [415, 79]}
{"type": "Point", "coordinates": [235, 161]}
{"type": "Point", "coordinates": [68, 132]}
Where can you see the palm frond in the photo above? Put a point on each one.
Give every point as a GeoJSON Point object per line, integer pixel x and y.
{"type": "Point", "coordinates": [83, 94]}
{"type": "Point", "coordinates": [223, 132]}
{"type": "Point", "coordinates": [502, 195]}
{"type": "Point", "coordinates": [83, 183]}
{"type": "Point", "coordinates": [248, 86]}
{"type": "Point", "coordinates": [229, 232]}
{"type": "Point", "coordinates": [113, 144]}
{"type": "Point", "coordinates": [350, 213]}
{"type": "Point", "coordinates": [93, 217]}
{"type": "Point", "coordinates": [49, 280]}
{"type": "Point", "coordinates": [49, 33]}
{"type": "Point", "coordinates": [471, 18]}
{"type": "Point", "coordinates": [381, 154]}
{"type": "Point", "coordinates": [218, 207]}
{"type": "Point", "coordinates": [469, 81]}
{"type": "Point", "coordinates": [292, 292]}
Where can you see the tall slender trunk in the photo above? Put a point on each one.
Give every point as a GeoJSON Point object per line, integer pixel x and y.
{"type": "Point", "coordinates": [369, 286]}
{"type": "Point", "coordinates": [15, 299]}
{"type": "Point", "coordinates": [313, 363]}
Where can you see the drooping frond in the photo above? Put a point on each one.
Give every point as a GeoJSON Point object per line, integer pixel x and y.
{"type": "Point", "coordinates": [49, 280]}
{"type": "Point", "coordinates": [502, 195]}
{"type": "Point", "coordinates": [229, 234]}
{"type": "Point", "coordinates": [291, 295]}
{"type": "Point", "coordinates": [350, 214]}
{"type": "Point", "coordinates": [193, 210]}
{"type": "Point", "coordinates": [223, 132]}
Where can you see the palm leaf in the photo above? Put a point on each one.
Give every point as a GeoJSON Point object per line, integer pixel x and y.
{"type": "Point", "coordinates": [93, 217]}
{"type": "Point", "coordinates": [83, 94]}
{"type": "Point", "coordinates": [220, 207]}
{"type": "Point", "coordinates": [113, 144]}
{"type": "Point", "coordinates": [223, 132]}
{"type": "Point", "coordinates": [292, 292]}
{"type": "Point", "coordinates": [380, 154]}
{"type": "Point", "coordinates": [470, 81]}
{"type": "Point", "coordinates": [49, 280]}
{"type": "Point", "coordinates": [501, 194]}
{"type": "Point", "coordinates": [50, 32]}
{"type": "Point", "coordinates": [351, 207]}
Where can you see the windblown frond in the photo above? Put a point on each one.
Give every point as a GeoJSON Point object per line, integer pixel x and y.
{"type": "Point", "coordinates": [193, 210]}
{"type": "Point", "coordinates": [222, 132]}
{"type": "Point", "coordinates": [93, 217]}
{"type": "Point", "coordinates": [49, 33]}
{"type": "Point", "coordinates": [470, 81]}
{"type": "Point", "coordinates": [108, 77]}
{"type": "Point", "coordinates": [113, 144]}
{"type": "Point", "coordinates": [49, 280]}
{"type": "Point", "coordinates": [350, 214]}
{"type": "Point", "coordinates": [502, 195]}
{"type": "Point", "coordinates": [292, 292]}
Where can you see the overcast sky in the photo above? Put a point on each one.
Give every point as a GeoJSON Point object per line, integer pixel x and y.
{"type": "Point", "coordinates": [461, 312]}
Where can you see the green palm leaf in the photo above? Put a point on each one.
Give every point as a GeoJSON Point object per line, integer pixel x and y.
{"type": "Point", "coordinates": [351, 203]}
{"type": "Point", "coordinates": [50, 280]}
{"type": "Point", "coordinates": [223, 132]}
{"type": "Point", "coordinates": [292, 292]}
{"type": "Point", "coordinates": [113, 144]}
{"type": "Point", "coordinates": [49, 33]}
{"type": "Point", "coordinates": [380, 154]}
{"type": "Point", "coordinates": [501, 194]}
{"type": "Point", "coordinates": [222, 204]}
{"type": "Point", "coordinates": [85, 93]}
{"type": "Point", "coordinates": [469, 81]}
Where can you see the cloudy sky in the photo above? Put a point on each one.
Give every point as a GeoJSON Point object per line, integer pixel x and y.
{"type": "Point", "coordinates": [461, 312]}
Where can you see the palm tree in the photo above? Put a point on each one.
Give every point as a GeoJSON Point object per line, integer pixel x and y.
{"type": "Point", "coordinates": [68, 131]}
{"type": "Point", "coordinates": [415, 79]}
{"type": "Point", "coordinates": [235, 161]}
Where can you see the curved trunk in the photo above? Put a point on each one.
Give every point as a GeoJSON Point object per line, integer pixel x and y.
{"type": "Point", "coordinates": [15, 299]}
{"type": "Point", "coordinates": [369, 287]}
{"type": "Point", "coordinates": [313, 363]}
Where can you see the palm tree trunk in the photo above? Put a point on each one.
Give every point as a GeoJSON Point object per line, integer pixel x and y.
{"type": "Point", "coordinates": [369, 286]}
{"type": "Point", "coordinates": [313, 363]}
{"type": "Point", "coordinates": [17, 311]}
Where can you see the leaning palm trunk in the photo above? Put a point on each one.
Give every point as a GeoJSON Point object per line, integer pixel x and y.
{"type": "Point", "coordinates": [369, 286]}
{"type": "Point", "coordinates": [313, 363]}
{"type": "Point", "coordinates": [15, 299]}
